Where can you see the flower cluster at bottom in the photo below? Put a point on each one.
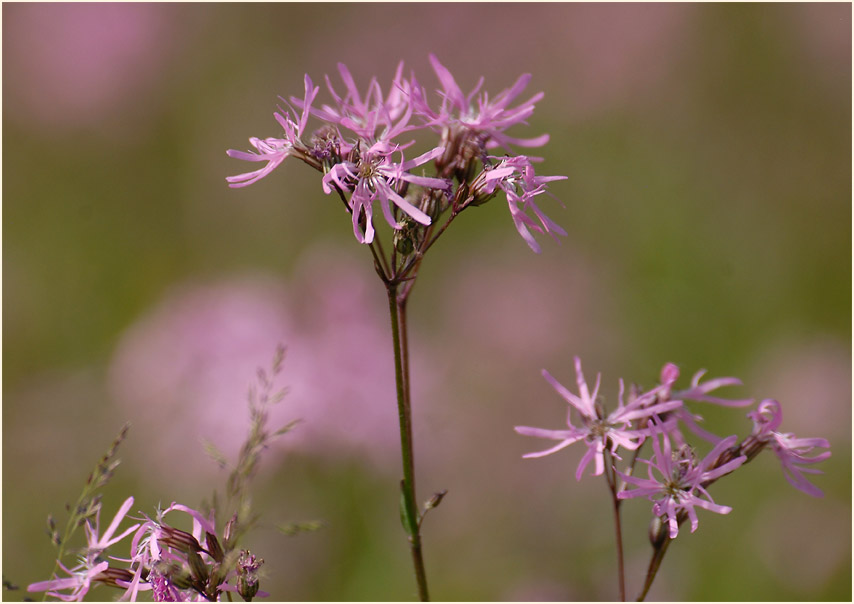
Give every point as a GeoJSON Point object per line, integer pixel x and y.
{"type": "Point", "coordinates": [174, 565]}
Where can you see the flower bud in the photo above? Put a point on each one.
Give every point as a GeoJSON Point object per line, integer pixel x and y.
{"type": "Point", "coordinates": [214, 548]}
{"type": "Point", "coordinates": [435, 500]}
{"type": "Point", "coordinates": [326, 146]}
{"type": "Point", "coordinates": [247, 574]}
{"type": "Point", "coordinates": [229, 534]}
{"type": "Point", "coordinates": [111, 575]}
{"type": "Point", "coordinates": [407, 236]}
{"type": "Point", "coordinates": [669, 373]}
{"type": "Point", "coordinates": [658, 531]}
{"type": "Point", "coordinates": [54, 535]}
{"type": "Point", "coordinates": [178, 539]}
{"type": "Point", "coordinates": [403, 242]}
{"type": "Point", "coordinates": [198, 568]}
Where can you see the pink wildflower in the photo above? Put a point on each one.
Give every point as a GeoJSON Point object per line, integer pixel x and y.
{"type": "Point", "coordinates": [516, 177]}
{"type": "Point", "coordinates": [485, 118]}
{"type": "Point", "coordinates": [373, 176]}
{"type": "Point", "coordinates": [79, 581]}
{"type": "Point", "coordinates": [360, 163]}
{"type": "Point", "coordinates": [97, 544]}
{"type": "Point", "coordinates": [275, 150]}
{"type": "Point", "coordinates": [365, 117]}
{"type": "Point", "coordinates": [680, 485]}
{"type": "Point", "coordinates": [90, 565]}
{"type": "Point", "coordinates": [792, 452]}
{"type": "Point", "coordinates": [597, 430]}
{"type": "Point", "coordinates": [697, 392]}
{"type": "Point", "coordinates": [160, 552]}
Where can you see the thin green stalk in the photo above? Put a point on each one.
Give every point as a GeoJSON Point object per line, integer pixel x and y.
{"type": "Point", "coordinates": [89, 503]}
{"type": "Point", "coordinates": [654, 563]}
{"type": "Point", "coordinates": [611, 477]}
{"type": "Point", "coordinates": [410, 515]}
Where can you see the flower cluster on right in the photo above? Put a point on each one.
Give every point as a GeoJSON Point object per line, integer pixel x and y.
{"type": "Point", "coordinates": [676, 480]}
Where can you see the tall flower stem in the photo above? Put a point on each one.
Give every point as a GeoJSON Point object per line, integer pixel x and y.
{"type": "Point", "coordinates": [611, 476]}
{"type": "Point", "coordinates": [410, 516]}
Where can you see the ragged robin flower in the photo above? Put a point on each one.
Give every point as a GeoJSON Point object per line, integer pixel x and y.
{"type": "Point", "coordinates": [675, 482]}
{"type": "Point", "coordinates": [275, 150]}
{"type": "Point", "coordinates": [358, 135]}
{"type": "Point", "coordinates": [374, 118]}
{"type": "Point", "coordinates": [372, 176]}
{"type": "Point", "coordinates": [515, 176]}
{"type": "Point", "coordinates": [792, 452]}
{"type": "Point", "coordinates": [477, 116]}
{"type": "Point", "coordinates": [91, 567]}
{"type": "Point", "coordinates": [178, 565]}
{"type": "Point", "coordinates": [619, 428]}
{"type": "Point", "coordinates": [698, 391]}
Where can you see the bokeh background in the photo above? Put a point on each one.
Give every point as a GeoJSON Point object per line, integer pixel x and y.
{"type": "Point", "coordinates": [708, 206]}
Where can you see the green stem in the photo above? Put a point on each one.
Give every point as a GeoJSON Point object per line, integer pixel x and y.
{"type": "Point", "coordinates": [654, 563]}
{"type": "Point", "coordinates": [409, 509]}
{"type": "Point", "coordinates": [611, 477]}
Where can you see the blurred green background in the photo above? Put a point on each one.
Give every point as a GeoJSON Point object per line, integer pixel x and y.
{"type": "Point", "coordinates": [708, 206]}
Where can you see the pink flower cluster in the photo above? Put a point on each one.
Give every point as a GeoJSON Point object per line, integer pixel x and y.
{"type": "Point", "coordinates": [676, 482]}
{"type": "Point", "coordinates": [357, 148]}
{"type": "Point", "coordinates": [174, 565]}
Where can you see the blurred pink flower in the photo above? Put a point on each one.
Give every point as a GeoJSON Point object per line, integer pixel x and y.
{"type": "Point", "coordinates": [76, 65]}
{"type": "Point", "coordinates": [182, 371]}
{"type": "Point", "coordinates": [617, 54]}
{"type": "Point", "coordinates": [541, 304]}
